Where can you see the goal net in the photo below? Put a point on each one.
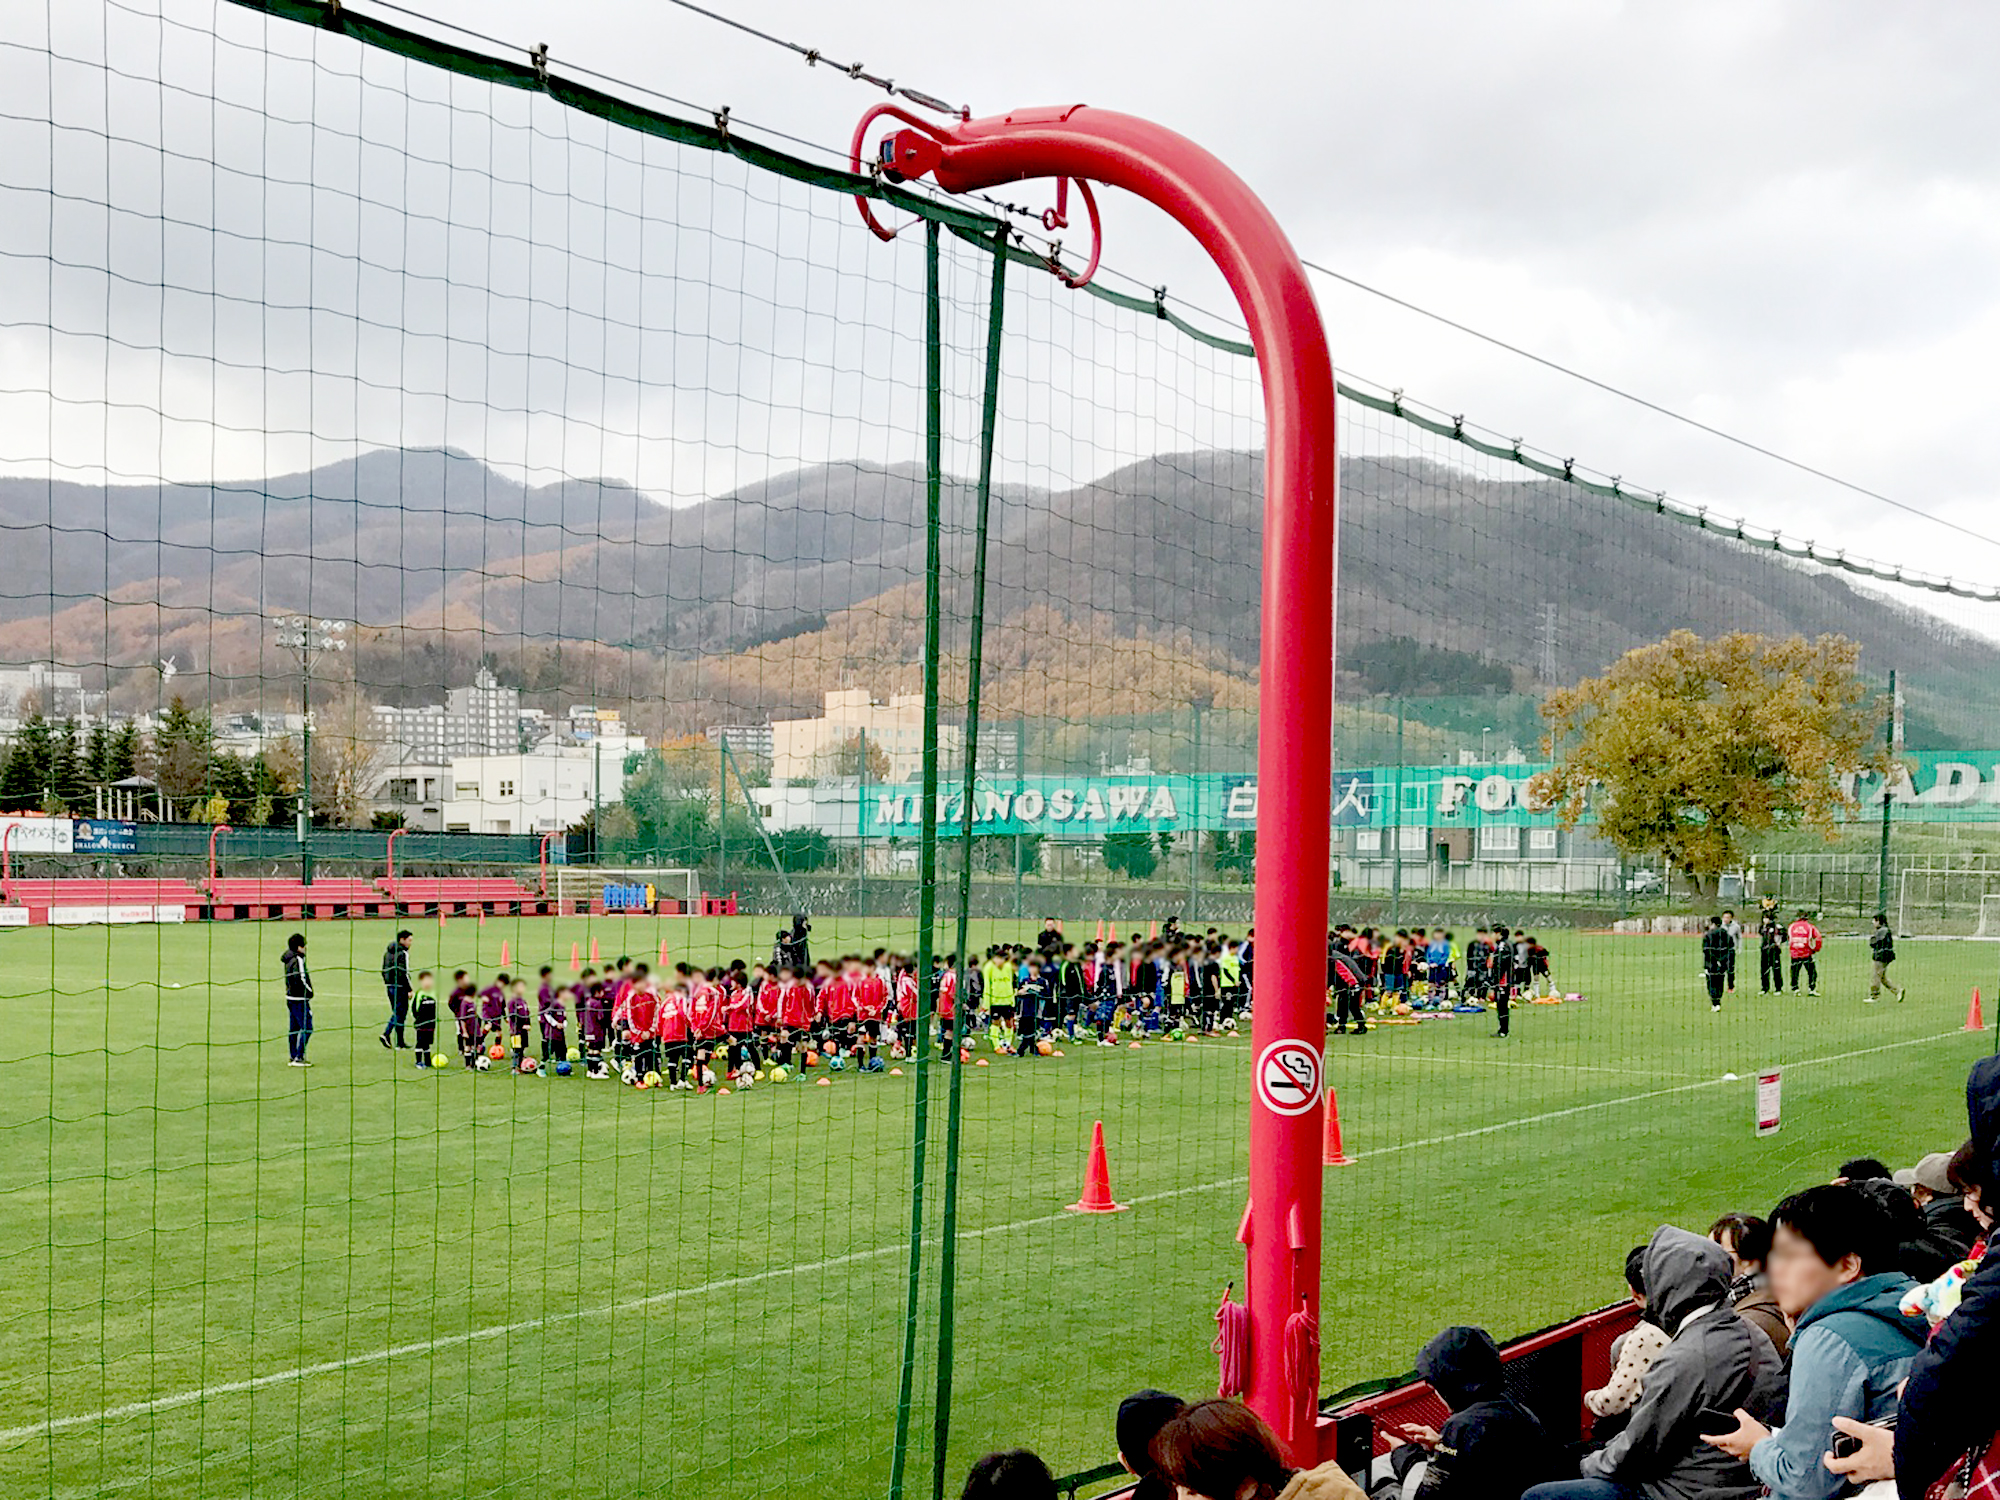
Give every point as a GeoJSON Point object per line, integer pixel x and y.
{"type": "Point", "coordinates": [1955, 903]}
{"type": "Point", "coordinates": [579, 889]}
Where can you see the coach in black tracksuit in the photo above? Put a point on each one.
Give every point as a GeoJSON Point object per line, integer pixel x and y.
{"type": "Point", "coordinates": [1718, 953]}
{"type": "Point", "coordinates": [396, 981]}
{"type": "Point", "coordinates": [1770, 952]}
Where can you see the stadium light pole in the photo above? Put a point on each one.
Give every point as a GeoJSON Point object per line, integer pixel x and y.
{"type": "Point", "coordinates": [308, 640]}
{"type": "Point", "coordinates": [1281, 1228]}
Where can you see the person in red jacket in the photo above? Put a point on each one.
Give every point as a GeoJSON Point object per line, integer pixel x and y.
{"type": "Point", "coordinates": [641, 1004]}
{"type": "Point", "coordinates": [739, 1021]}
{"type": "Point", "coordinates": [675, 1028]}
{"type": "Point", "coordinates": [1803, 941]}
{"type": "Point", "coordinates": [905, 1007]}
{"type": "Point", "coordinates": [944, 997]}
{"type": "Point", "coordinates": [871, 1008]}
{"type": "Point", "coordinates": [840, 1005]}
{"type": "Point", "coordinates": [798, 1013]}
{"type": "Point", "coordinates": [705, 1006]}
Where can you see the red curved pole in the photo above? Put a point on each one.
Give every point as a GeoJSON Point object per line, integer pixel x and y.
{"type": "Point", "coordinates": [542, 860]}
{"type": "Point", "coordinates": [7, 862]}
{"type": "Point", "coordinates": [389, 853]}
{"type": "Point", "coordinates": [1295, 691]}
{"type": "Point", "coordinates": [213, 834]}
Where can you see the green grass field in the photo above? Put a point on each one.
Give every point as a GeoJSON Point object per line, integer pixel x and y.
{"type": "Point", "coordinates": [222, 1276]}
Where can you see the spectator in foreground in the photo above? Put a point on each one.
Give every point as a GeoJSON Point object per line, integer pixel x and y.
{"type": "Point", "coordinates": [1747, 1238]}
{"type": "Point", "coordinates": [1634, 1352]}
{"type": "Point", "coordinates": [1714, 1360]}
{"type": "Point", "coordinates": [1141, 1415]}
{"type": "Point", "coordinates": [1492, 1447]}
{"type": "Point", "coordinates": [1947, 1232]}
{"type": "Point", "coordinates": [1833, 1268]}
{"type": "Point", "coordinates": [1015, 1474]}
{"type": "Point", "coordinates": [1948, 1413]}
{"type": "Point", "coordinates": [1221, 1450]}
{"type": "Point", "coordinates": [1861, 1169]}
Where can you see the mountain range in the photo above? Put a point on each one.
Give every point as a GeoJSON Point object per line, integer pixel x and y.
{"type": "Point", "coordinates": [1136, 591]}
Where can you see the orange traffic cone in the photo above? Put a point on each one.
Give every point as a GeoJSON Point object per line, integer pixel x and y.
{"type": "Point", "coordinates": [1975, 1019]}
{"type": "Point", "coordinates": [482, 916]}
{"type": "Point", "coordinates": [663, 955]}
{"type": "Point", "coordinates": [1334, 1155]}
{"type": "Point", "coordinates": [575, 959]}
{"type": "Point", "coordinates": [1100, 929]}
{"type": "Point", "coordinates": [1152, 929]}
{"type": "Point", "coordinates": [593, 952]}
{"type": "Point", "coordinates": [1097, 1179]}
{"type": "Point", "coordinates": [503, 953]}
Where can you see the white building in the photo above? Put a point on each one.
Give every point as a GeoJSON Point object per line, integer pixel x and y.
{"type": "Point", "coordinates": [57, 693]}
{"type": "Point", "coordinates": [744, 739]}
{"type": "Point", "coordinates": [802, 748]}
{"type": "Point", "coordinates": [484, 719]}
{"type": "Point", "coordinates": [543, 790]}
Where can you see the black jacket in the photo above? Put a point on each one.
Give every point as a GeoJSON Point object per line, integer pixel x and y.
{"type": "Point", "coordinates": [1948, 1406]}
{"type": "Point", "coordinates": [1492, 1447]}
{"type": "Point", "coordinates": [1882, 945]}
{"type": "Point", "coordinates": [298, 982]}
{"type": "Point", "coordinates": [396, 971]}
{"type": "Point", "coordinates": [1945, 1240]}
{"type": "Point", "coordinates": [1716, 951]}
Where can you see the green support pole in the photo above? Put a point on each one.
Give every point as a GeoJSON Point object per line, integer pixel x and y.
{"type": "Point", "coordinates": [721, 813]}
{"type": "Point", "coordinates": [1396, 830]}
{"type": "Point", "coordinates": [305, 777]}
{"type": "Point", "coordinates": [1020, 779]}
{"type": "Point", "coordinates": [927, 838]}
{"type": "Point", "coordinates": [1882, 857]}
{"type": "Point", "coordinates": [1194, 843]}
{"type": "Point", "coordinates": [975, 660]}
{"type": "Point", "coordinates": [861, 830]}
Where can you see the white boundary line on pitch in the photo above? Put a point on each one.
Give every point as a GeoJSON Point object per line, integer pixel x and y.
{"type": "Point", "coordinates": [54, 1425]}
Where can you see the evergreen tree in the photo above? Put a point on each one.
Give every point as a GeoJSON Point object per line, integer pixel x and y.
{"type": "Point", "coordinates": [69, 772]}
{"type": "Point", "coordinates": [121, 760]}
{"type": "Point", "coordinates": [24, 780]}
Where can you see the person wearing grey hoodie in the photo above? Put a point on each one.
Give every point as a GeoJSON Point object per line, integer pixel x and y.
{"type": "Point", "coordinates": [1714, 1360]}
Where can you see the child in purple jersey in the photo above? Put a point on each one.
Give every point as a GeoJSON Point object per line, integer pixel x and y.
{"type": "Point", "coordinates": [520, 1016]}
{"type": "Point", "coordinates": [465, 1011]}
{"type": "Point", "coordinates": [555, 1023]}
{"type": "Point", "coordinates": [594, 1016]}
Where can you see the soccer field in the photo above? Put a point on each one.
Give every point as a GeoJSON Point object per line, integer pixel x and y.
{"type": "Point", "coordinates": [223, 1276]}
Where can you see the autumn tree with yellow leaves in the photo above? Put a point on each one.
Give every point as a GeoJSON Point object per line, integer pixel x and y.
{"type": "Point", "coordinates": [1687, 748]}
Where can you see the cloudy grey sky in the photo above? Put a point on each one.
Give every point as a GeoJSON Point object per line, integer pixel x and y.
{"type": "Point", "coordinates": [1783, 219]}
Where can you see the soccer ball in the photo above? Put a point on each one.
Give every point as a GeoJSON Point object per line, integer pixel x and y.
{"type": "Point", "coordinates": [496, 1052]}
{"type": "Point", "coordinates": [1229, 1025]}
{"type": "Point", "coordinates": [1177, 1035]}
{"type": "Point", "coordinates": [779, 1075]}
{"type": "Point", "coordinates": [529, 1065]}
{"type": "Point", "coordinates": [574, 1055]}
{"type": "Point", "coordinates": [629, 1074]}
{"type": "Point", "coordinates": [1045, 1047]}
{"type": "Point", "coordinates": [482, 1062]}
{"type": "Point", "coordinates": [708, 1078]}
{"type": "Point", "coordinates": [651, 1080]}
{"type": "Point", "coordinates": [438, 1061]}
{"type": "Point", "coordinates": [563, 1068]}
{"type": "Point", "coordinates": [812, 1059]}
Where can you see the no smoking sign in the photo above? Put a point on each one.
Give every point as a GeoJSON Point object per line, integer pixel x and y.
{"type": "Point", "coordinates": [1288, 1077]}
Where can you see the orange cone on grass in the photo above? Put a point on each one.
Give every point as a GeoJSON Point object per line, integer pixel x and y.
{"type": "Point", "coordinates": [1097, 1179]}
{"type": "Point", "coordinates": [593, 952]}
{"type": "Point", "coordinates": [1334, 1155]}
{"type": "Point", "coordinates": [1975, 1019]}
{"type": "Point", "coordinates": [503, 953]}
{"type": "Point", "coordinates": [663, 954]}
{"type": "Point", "coordinates": [575, 958]}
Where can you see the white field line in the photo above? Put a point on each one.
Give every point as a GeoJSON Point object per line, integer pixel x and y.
{"type": "Point", "coordinates": [13, 1435]}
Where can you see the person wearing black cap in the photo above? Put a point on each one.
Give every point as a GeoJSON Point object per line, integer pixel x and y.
{"type": "Point", "coordinates": [396, 980]}
{"type": "Point", "coordinates": [1141, 1415]}
{"type": "Point", "coordinates": [1492, 1447]}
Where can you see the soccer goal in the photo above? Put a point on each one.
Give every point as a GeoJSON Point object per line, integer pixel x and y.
{"type": "Point", "coordinates": [580, 887]}
{"type": "Point", "coordinates": [1948, 902]}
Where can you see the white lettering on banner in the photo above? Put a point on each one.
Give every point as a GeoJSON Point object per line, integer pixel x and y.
{"type": "Point", "coordinates": [13, 916]}
{"type": "Point", "coordinates": [1062, 803]}
{"type": "Point", "coordinates": [79, 916]}
{"type": "Point", "coordinates": [1957, 784]}
{"type": "Point", "coordinates": [1163, 804]}
{"type": "Point", "coordinates": [1126, 801]}
{"type": "Point", "coordinates": [1242, 804]}
{"type": "Point", "coordinates": [994, 806]}
{"type": "Point", "coordinates": [1452, 792]}
{"type": "Point", "coordinates": [1495, 794]}
{"type": "Point", "coordinates": [1027, 806]}
{"type": "Point", "coordinates": [1092, 810]}
{"type": "Point", "coordinates": [40, 835]}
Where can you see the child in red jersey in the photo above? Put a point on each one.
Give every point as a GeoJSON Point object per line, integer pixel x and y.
{"type": "Point", "coordinates": [871, 1008]}
{"type": "Point", "coordinates": [639, 1005]}
{"type": "Point", "coordinates": [906, 1007]}
{"type": "Point", "coordinates": [798, 1014]}
{"type": "Point", "coordinates": [676, 1038]}
{"type": "Point", "coordinates": [706, 1028]}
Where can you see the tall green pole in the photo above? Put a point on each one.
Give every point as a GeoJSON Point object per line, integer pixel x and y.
{"type": "Point", "coordinates": [305, 774]}
{"type": "Point", "coordinates": [1194, 844]}
{"type": "Point", "coordinates": [1888, 744]}
{"type": "Point", "coordinates": [861, 828]}
{"type": "Point", "coordinates": [1020, 780]}
{"type": "Point", "coordinates": [1396, 830]}
{"type": "Point", "coordinates": [927, 838]}
{"type": "Point", "coordinates": [721, 813]}
{"type": "Point", "coordinates": [975, 659]}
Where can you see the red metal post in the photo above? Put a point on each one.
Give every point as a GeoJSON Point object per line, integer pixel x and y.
{"type": "Point", "coordinates": [542, 860]}
{"type": "Point", "coordinates": [7, 862]}
{"type": "Point", "coordinates": [389, 855]}
{"type": "Point", "coordinates": [213, 834]}
{"type": "Point", "coordinates": [1295, 693]}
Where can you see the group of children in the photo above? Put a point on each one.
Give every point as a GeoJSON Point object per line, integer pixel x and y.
{"type": "Point", "coordinates": [1429, 971]}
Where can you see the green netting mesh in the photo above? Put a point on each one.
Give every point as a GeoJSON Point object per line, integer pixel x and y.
{"type": "Point", "coordinates": [443, 497]}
